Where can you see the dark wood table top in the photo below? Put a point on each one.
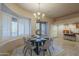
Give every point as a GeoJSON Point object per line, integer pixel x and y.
{"type": "Point", "coordinates": [38, 42]}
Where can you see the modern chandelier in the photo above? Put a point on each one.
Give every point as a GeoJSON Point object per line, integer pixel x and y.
{"type": "Point", "coordinates": [39, 15]}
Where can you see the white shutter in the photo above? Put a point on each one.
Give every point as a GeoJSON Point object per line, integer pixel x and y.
{"type": "Point", "coordinates": [6, 26]}
{"type": "Point", "coordinates": [21, 27]}
{"type": "Point", "coordinates": [14, 24]}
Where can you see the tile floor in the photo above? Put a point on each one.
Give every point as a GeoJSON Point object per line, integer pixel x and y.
{"type": "Point", "coordinates": [61, 48]}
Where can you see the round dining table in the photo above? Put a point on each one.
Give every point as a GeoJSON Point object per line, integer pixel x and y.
{"type": "Point", "coordinates": [38, 42]}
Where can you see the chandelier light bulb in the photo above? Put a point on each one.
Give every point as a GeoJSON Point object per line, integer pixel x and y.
{"type": "Point", "coordinates": [38, 13]}
{"type": "Point", "coordinates": [34, 14]}
{"type": "Point", "coordinates": [43, 15]}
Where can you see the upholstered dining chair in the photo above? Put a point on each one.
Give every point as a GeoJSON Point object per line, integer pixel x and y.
{"type": "Point", "coordinates": [47, 45]}
{"type": "Point", "coordinates": [27, 46]}
{"type": "Point", "coordinates": [52, 43]}
{"type": "Point", "coordinates": [24, 39]}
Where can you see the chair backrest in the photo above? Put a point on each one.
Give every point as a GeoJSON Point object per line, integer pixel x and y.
{"type": "Point", "coordinates": [27, 42]}
{"type": "Point", "coordinates": [24, 38]}
{"type": "Point", "coordinates": [47, 44]}
{"type": "Point", "coordinates": [51, 40]}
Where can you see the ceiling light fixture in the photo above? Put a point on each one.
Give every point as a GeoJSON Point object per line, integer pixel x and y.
{"type": "Point", "coordinates": [39, 15]}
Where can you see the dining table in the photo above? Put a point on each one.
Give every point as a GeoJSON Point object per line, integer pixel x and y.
{"type": "Point", "coordinates": [38, 42]}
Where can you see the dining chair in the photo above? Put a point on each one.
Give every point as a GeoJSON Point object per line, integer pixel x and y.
{"type": "Point", "coordinates": [51, 43]}
{"type": "Point", "coordinates": [45, 47]}
{"type": "Point", "coordinates": [27, 46]}
{"type": "Point", "coordinates": [24, 38]}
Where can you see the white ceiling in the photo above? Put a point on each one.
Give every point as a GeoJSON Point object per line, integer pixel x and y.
{"type": "Point", "coordinates": [52, 9]}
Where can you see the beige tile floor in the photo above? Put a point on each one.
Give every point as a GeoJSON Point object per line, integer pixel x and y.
{"type": "Point", "coordinates": [61, 48]}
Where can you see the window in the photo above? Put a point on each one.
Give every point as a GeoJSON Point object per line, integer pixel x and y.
{"type": "Point", "coordinates": [54, 30]}
{"type": "Point", "coordinates": [27, 27]}
{"type": "Point", "coordinates": [5, 26]}
{"type": "Point", "coordinates": [24, 27]}
{"type": "Point", "coordinates": [14, 27]}
{"type": "Point", "coordinates": [37, 26]}
{"type": "Point", "coordinates": [42, 27]}
{"type": "Point", "coordinates": [21, 27]}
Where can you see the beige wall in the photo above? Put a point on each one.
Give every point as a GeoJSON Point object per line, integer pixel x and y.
{"type": "Point", "coordinates": [67, 19]}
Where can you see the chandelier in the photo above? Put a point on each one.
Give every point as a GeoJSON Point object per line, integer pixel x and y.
{"type": "Point", "coordinates": [39, 15]}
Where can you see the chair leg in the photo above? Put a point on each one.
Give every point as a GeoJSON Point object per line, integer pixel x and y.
{"type": "Point", "coordinates": [31, 52]}
{"type": "Point", "coordinates": [25, 52]}
{"type": "Point", "coordinates": [53, 48]}
{"type": "Point", "coordinates": [49, 52]}
{"type": "Point", "coordinates": [24, 49]}
{"type": "Point", "coordinates": [43, 53]}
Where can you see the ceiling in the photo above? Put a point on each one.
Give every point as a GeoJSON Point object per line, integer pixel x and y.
{"type": "Point", "coordinates": [52, 10]}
